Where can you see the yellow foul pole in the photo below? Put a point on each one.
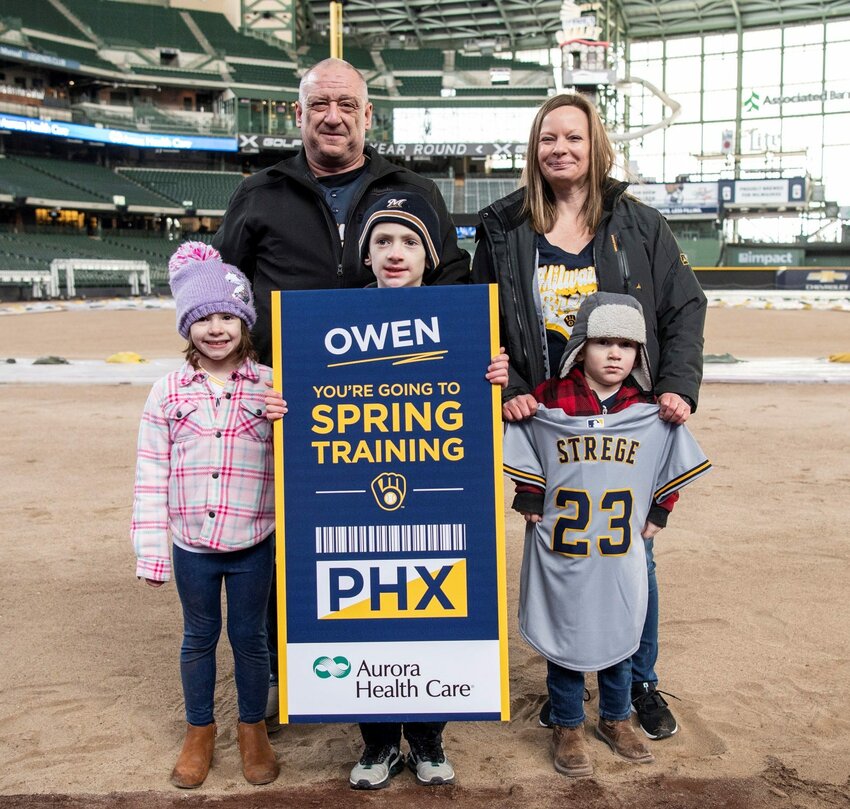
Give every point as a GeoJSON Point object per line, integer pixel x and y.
{"type": "Point", "coordinates": [336, 29]}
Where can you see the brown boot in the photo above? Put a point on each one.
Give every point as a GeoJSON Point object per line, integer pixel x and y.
{"type": "Point", "coordinates": [259, 764]}
{"type": "Point", "coordinates": [621, 738]}
{"type": "Point", "coordinates": [195, 758]}
{"type": "Point", "coordinates": [569, 751]}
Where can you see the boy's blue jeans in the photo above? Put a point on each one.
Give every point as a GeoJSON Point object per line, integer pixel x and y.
{"type": "Point", "coordinates": [644, 659]}
{"type": "Point", "coordinates": [246, 575]}
{"type": "Point", "coordinates": [379, 734]}
{"type": "Point", "coordinates": [566, 693]}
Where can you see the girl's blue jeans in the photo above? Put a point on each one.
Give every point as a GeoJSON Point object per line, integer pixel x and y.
{"type": "Point", "coordinates": [246, 575]}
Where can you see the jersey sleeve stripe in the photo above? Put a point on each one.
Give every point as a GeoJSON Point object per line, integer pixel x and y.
{"type": "Point", "coordinates": [526, 477]}
{"type": "Point", "coordinates": [683, 479]}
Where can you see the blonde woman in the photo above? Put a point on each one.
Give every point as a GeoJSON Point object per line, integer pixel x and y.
{"type": "Point", "coordinates": [569, 231]}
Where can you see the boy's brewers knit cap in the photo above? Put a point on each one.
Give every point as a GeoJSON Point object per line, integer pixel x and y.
{"type": "Point", "coordinates": [411, 210]}
{"type": "Point", "coordinates": [607, 314]}
{"type": "Point", "coordinates": [202, 284]}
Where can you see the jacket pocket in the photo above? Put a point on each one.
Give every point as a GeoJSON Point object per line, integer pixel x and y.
{"type": "Point", "coordinates": [183, 422]}
{"type": "Point", "coordinates": [251, 422]}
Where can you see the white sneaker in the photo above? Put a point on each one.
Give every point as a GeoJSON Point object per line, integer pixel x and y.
{"type": "Point", "coordinates": [273, 708]}
{"type": "Point", "coordinates": [430, 764]}
{"type": "Point", "coordinates": [376, 767]}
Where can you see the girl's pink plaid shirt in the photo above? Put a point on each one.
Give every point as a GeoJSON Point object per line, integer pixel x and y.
{"type": "Point", "coordinates": [204, 469]}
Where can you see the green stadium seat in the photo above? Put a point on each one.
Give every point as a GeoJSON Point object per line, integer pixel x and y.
{"type": "Point", "coordinates": [39, 17]}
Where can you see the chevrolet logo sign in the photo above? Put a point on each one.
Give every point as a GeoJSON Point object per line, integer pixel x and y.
{"type": "Point", "coordinates": [826, 276]}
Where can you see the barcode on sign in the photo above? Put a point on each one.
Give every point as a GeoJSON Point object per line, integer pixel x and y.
{"type": "Point", "coordinates": [390, 538]}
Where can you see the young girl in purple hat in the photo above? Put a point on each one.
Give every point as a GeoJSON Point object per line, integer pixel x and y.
{"type": "Point", "coordinates": [204, 476]}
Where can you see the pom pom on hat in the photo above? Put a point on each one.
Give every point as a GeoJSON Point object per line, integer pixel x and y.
{"type": "Point", "coordinates": [202, 285]}
{"type": "Point", "coordinates": [191, 251]}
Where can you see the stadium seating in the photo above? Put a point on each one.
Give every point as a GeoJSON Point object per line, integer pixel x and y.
{"type": "Point", "coordinates": [420, 85]}
{"type": "Point", "coordinates": [359, 57]}
{"type": "Point", "coordinates": [189, 76]}
{"type": "Point", "coordinates": [264, 75]}
{"type": "Point", "coordinates": [484, 63]}
{"type": "Point", "coordinates": [222, 36]}
{"type": "Point", "coordinates": [39, 16]}
{"type": "Point", "coordinates": [34, 251]}
{"type": "Point", "coordinates": [99, 183]}
{"type": "Point", "coordinates": [478, 194]}
{"type": "Point", "coordinates": [134, 25]}
{"type": "Point", "coordinates": [499, 91]}
{"type": "Point", "coordinates": [207, 190]}
{"type": "Point", "coordinates": [85, 56]}
{"type": "Point", "coordinates": [404, 61]}
{"type": "Point", "coordinates": [20, 179]}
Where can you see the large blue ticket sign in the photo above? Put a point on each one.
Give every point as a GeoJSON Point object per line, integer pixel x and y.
{"type": "Point", "coordinates": [390, 534]}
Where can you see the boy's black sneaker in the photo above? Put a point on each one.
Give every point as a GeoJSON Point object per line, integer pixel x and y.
{"type": "Point", "coordinates": [654, 717]}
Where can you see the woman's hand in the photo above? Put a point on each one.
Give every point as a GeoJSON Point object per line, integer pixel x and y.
{"type": "Point", "coordinates": [673, 408]}
{"type": "Point", "coordinates": [520, 407]}
{"type": "Point", "coordinates": [530, 517]}
{"type": "Point", "coordinates": [154, 583]}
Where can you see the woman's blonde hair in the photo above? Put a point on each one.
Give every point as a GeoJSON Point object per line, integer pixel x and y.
{"type": "Point", "coordinates": [539, 205]}
{"type": "Point", "coordinates": [245, 351]}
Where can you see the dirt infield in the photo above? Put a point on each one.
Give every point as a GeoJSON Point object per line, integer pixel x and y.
{"type": "Point", "coordinates": [754, 614]}
{"type": "Point", "coordinates": [776, 788]}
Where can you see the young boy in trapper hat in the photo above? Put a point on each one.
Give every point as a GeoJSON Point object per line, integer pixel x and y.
{"type": "Point", "coordinates": [399, 239]}
{"type": "Point", "coordinates": [597, 473]}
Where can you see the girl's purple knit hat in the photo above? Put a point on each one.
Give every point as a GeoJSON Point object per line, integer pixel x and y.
{"type": "Point", "coordinates": [202, 284]}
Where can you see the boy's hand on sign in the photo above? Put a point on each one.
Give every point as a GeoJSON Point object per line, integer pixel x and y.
{"type": "Point", "coordinates": [154, 583]}
{"type": "Point", "coordinates": [529, 517]}
{"type": "Point", "coordinates": [275, 405]}
{"type": "Point", "coordinates": [497, 370]}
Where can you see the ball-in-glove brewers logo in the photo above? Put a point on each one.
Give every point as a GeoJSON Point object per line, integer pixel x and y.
{"type": "Point", "coordinates": [389, 489]}
{"type": "Point", "coordinates": [325, 667]}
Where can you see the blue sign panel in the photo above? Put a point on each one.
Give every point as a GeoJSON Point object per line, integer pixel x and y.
{"type": "Point", "coordinates": [118, 137]}
{"type": "Point", "coordinates": [10, 52]}
{"type": "Point", "coordinates": [814, 278]}
{"type": "Point", "coordinates": [391, 585]}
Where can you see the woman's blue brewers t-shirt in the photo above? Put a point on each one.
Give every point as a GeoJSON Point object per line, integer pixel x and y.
{"type": "Point", "coordinates": [564, 281]}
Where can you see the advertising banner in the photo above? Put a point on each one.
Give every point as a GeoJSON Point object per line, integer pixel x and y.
{"type": "Point", "coordinates": [814, 278]}
{"type": "Point", "coordinates": [767, 194]}
{"type": "Point", "coordinates": [763, 256]}
{"type": "Point", "coordinates": [390, 534]}
{"type": "Point", "coordinates": [118, 137]}
{"type": "Point", "coordinates": [679, 199]}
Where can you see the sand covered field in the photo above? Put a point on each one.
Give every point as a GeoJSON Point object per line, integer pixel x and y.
{"type": "Point", "coordinates": [753, 572]}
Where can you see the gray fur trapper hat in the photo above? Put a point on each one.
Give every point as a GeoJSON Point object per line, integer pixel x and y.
{"type": "Point", "coordinates": [608, 314]}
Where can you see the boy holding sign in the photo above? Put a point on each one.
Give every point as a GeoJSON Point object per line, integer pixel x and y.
{"type": "Point", "coordinates": [398, 240]}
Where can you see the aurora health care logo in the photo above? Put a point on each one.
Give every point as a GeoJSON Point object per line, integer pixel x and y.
{"type": "Point", "coordinates": [753, 102]}
{"type": "Point", "coordinates": [326, 667]}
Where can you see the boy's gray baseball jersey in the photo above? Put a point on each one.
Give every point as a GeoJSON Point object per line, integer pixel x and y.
{"type": "Point", "coordinates": [583, 586]}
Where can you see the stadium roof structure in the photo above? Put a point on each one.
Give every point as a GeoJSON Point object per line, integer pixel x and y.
{"type": "Point", "coordinates": [487, 25]}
